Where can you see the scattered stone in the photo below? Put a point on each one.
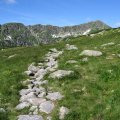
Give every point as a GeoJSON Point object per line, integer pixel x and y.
{"type": "Point", "coordinates": [33, 108]}
{"type": "Point", "coordinates": [49, 118]}
{"type": "Point", "coordinates": [41, 95]}
{"type": "Point", "coordinates": [40, 74]}
{"type": "Point", "coordinates": [118, 55]}
{"type": "Point", "coordinates": [33, 68]}
{"type": "Point", "coordinates": [25, 91]}
{"type": "Point", "coordinates": [2, 110]}
{"type": "Point", "coordinates": [22, 105]}
{"type": "Point", "coordinates": [54, 96]}
{"type": "Point", "coordinates": [85, 59]}
{"type": "Point", "coordinates": [29, 73]}
{"type": "Point", "coordinates": [71, 47]}
{"type": "Point", "coordinates": [71, 61]}
{"type": "Point", "coordinates": [63, 111]}
{"type": "Point", "coordinates": [91, 53]}
{"type": "Point", "coordinates": [47, 107]}
{"type": "Point", "coordinates": [60, 74]}
{"type": "Point", "coordinates": [109, 57]}
{"type": "Point", "coordinates": [11, 56]}
{"type": "Point", "coordinates": [108, 44]}
{"type": "Point", "coordinates": [30, 117]}
{"type": "Point", "coordinates": [35, 112]}
{"type": "Point", "coordinates": [24, 98]}
{"type": "Point", "coordinates": [53, 50]}
{"type": "Point", "coordinates": [36, 101]}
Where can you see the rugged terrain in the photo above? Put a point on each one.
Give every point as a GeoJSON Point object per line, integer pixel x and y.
{"type": "Point", "coordinates": [17, 34]}
{"type": "Point", "coordinates": [91, 92]}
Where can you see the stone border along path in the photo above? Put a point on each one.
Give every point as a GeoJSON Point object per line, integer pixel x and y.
{"type": "Point", "coordinates": [39, 98]}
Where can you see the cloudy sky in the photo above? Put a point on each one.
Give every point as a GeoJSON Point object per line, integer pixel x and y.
{"type": "Point", "coordinates": [60, 12]}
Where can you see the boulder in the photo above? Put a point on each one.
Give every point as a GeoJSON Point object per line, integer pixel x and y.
{"type": "Point", "coordinates": [33, 68]}
{"type": "Point", "coordinates": [60, 74]}
{"type": "Point", "coordinates": [24, 98]}
{"type": "Point", "coordinates": [36, 101]}
{"type": "Point", "coordinates": [54, 96]}
{"type": "Point", "coordinates": [47, 107]}
{"type": "Point", "coordinates": [22, 105]}
{"type": "Point", "coordinates": [91, 53]}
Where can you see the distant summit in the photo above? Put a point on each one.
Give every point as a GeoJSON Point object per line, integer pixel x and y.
{"type": "Point", "coordinates": [17, 34]}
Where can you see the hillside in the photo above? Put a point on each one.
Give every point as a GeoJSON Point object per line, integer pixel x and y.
{"type": "Point", "coordinates": [92, 92]}
{"type": "Point", "coordinates": [17, 34]}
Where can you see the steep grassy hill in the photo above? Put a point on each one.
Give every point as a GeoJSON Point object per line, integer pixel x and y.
{"type": "Point", "coordinates": [92, 93]}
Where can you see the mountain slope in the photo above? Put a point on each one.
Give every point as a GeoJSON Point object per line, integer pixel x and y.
{"type": "Point", "coordinates": [92, 93]}
{"type": "Point", "coordinates": [17, 34]}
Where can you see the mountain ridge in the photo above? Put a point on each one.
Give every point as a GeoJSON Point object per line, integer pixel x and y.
{"type": "Point", "coordinates": [17, 34]}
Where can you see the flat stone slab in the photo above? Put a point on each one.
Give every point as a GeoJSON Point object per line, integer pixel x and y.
{"type": "Point", "coordinates": [36, 101]}
{"type": "Point", "coordinates": [46, 107]}
{"type": "Point", "coordinates": [30, 117]}
{"type": "Point", "coordinates": [24, 98]}
{"type": "Point", "coordinates": [60, 74]}
{"type": "Point", "coordinates": [91, 53]}
{"type": "Point", "coordinates": [22, 105]}
{"type": "Point", "coordinates": [54, 96]}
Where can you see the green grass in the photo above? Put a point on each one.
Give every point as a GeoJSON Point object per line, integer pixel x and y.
{"type": "Point", "coordinates": [91, 93]}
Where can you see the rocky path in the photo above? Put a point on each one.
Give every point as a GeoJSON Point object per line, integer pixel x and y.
{"type": "Point", "coordinates": [37, 97]}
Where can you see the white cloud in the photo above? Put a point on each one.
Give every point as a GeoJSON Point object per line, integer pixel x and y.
{"type": "Point", "coordinates": [10, 1]}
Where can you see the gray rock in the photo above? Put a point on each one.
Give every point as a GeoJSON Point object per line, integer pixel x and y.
{"type": "Point", "coordinates": [108, 44]}
{"type": "Point", "coordinates": [36, 101]}
{"type": "Point", "coordinates": [41, 95]}
{"type": "Point", "coordinates": [53, 50]}
{"type": "Point", "coordinates": [11, 56]}
{"type": "Point", "coordinates": [91, 53]}
{"type": "Point", "coordinates": [28, 72]}
{"type": "Point", "coordinates": [35, 112]}
{"type": "Point", "coordinates": [71, 61]}
{"type": "Point", "coordinates": [30, 117]}
{"type": "Point", "coordinates": [22, 105]}
{"type": "Point", "coordinates": [33, 108]}
{"type": "Point", "coordinates": [63, 111]}
{"type": "Point", "coordinates": [49, 118]}
{"type": "Point", "coordinates": [2, 110]}
{"type": "Point", "coordinates": [47, 107]}
{"type": "Point", "coordinates": [40, 74]}
{"type": "Point", "coordinates": [71, 47]}
{"type": "Point", "coordinates": [25, 91]}
{"type": "Point", "coordinates": [54, 96]}
{"type": "Point", "coordinates": [24, 98]}
{"type": "Point", "coordinates": [33, 68]}
{"type": "Point", "coordinates": [85, 59]}
{"type": "Point", "coordinates": [60, 74]}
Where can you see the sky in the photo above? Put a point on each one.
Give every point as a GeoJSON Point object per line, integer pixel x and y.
{"type": "Point", "coordinates": [60, 12]}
